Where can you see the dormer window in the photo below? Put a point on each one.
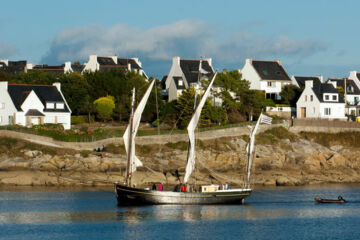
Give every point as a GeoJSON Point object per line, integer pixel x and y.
{"type": "Point", "coordinates": [350, 89]}
{"type": "Point", "coordinates": [181, 83]}
{"type": "Point", "coordinates": [59, 105]}
{"type": "Point", "coordinates": [50, 105]}
{"type": "Point", "coordinates": [327, 97]}
{"type": "Point", "coordinates": [265, 72]}
{"type": "Point", "coordinates": [334, 98]}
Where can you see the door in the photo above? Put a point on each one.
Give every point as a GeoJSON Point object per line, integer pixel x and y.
{"type": "Point", "coordinates": [303, 112]}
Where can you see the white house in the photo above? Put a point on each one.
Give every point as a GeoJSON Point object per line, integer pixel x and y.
{"type": "Point", "coordinates": [97, 63]}
{"type": "Point", "coordinates": [29, 105]}
{"type": "Point", "coordinates": [14, 67]}
{"type": "Point", "coordinates": [269, 76]}
{"type": "Point", "coordinates": [354, 75]}
{"type": "Point", "coordinates": [320, 101]}
{"type": "Point", "coordinates": [185, 73]}
{"type": "Point", "coordinates": [299, 81]}
{"type": "Point", "coordinates": [351, 94]}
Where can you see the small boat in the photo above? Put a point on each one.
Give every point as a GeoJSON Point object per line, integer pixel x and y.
{"type": "Point", "coordinates": [323, 200]}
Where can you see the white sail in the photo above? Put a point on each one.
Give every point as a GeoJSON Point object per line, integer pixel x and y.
{"type": "Point", "coordinates": [250, 147]}
{"type": "Point", "coordinates": [191, 131]}
{"type": "Point", "coordinates": [135, 162]}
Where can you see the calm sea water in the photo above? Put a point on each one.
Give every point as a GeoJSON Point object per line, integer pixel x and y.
{"type": "Point", "coordinates": [270, 213]}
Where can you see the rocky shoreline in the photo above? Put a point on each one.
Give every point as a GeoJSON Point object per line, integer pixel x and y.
{"type": "Point", "coordinates": [285, 161]}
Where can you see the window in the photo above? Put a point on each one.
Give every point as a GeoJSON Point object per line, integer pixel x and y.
{"type": "Point", "coordinates": [11, 120]}
{"type": "Point", "coordinates": [59, 105]}
{"type": "Point", "coordinates": [350, 89]}
{"type": "Point", "coordinates": [327, 111]}
{"type": "Point", "coordinates": [305, 98]}
{"type": "Point", "coordinates": [356, 100]}
{"type": "Point", "coordinates": [2, 106]}
{"type": "Point", "coordinates": [265, 72]}
{"type": "Point", "coordinates": [180, 82]}
{"type": "Point", "coordinates": [327, 97]}
{"type": "Point", "coordinates": [334, 97]}
{"type": "Point", "coordinates": [311, 98]}
{"type": "Point", "coordinates": [50, 105]}
{"type": "Point", "coordinates": [269, 84]}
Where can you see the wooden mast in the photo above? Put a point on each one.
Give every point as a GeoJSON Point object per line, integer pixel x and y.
{"type": "Point", "coordinates": [129, 155]}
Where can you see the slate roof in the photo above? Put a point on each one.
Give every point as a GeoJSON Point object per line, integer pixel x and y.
{"type": "Point", "coordinates": [14, 67]}
{"type": "Point", "coordinates": [46, 93]}
{"type": "Point", "coordinates": [125, 61]}
{"type": "Point", "coordinates": [55, 70]}
{"type": "Point", "coordinates": [301, 80]}
{"type": "Point", "coordinates": [104, 68]}
{"type": "Point", "coordinates": [34, 113]}
{"type": "Point", "coordinates": [349, 83]}
{"type": "Point", "coordinates": [270, 70]}
{"type": "Point", "coordinates": [105, 61]}
{"type": "Point", "coordinates": [321, 89]}
{"type": "Point", "coordinates": [77, 68]}
{"type": "Point", "coordinates": [190, 68]}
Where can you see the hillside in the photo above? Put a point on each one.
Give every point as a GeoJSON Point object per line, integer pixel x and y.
{"type": "Point", "coordinates": [282, 158]}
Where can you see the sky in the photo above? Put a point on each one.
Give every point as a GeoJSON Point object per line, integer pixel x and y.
{"type": "Point", "coordinates": [310, 37]}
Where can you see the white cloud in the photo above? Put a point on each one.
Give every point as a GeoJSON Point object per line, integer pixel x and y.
{"type": "Point", "coordinates": [186, 38]}
{"type": "Point", "coordinates": [7, 50]}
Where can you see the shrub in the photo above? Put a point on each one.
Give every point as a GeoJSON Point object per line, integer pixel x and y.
{"type": "Point", "coordinates": [84, 153]}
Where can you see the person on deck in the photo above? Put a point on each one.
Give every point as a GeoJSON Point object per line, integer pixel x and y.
{"type": "Point", "coordinates": [160, 187]}
{"type": "Point", "coordinates": [183, 188]}
{"type": "Point", "coordinates": [154, 187]}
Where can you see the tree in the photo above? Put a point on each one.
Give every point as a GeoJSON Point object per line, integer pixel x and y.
{"type": "Point", "coordinates": [104, 107]}
{"type": "Point", "coordinates": [290, 94]}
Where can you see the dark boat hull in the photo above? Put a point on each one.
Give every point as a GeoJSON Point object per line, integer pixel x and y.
{"type": "Point", "coordinates": [137, 196]}
{"type": "Point", "coordinates": [321, 200]}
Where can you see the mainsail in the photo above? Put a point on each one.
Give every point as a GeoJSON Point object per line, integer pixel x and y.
{"type": "Point", "coordinates": [191, 131]}
{"type": "Point", "coordinates": [134, 161]}
{"type": "Point", "coordinates": [250, 147]}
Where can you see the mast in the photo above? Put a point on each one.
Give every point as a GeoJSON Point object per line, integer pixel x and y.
{"type": "Point", "coordinates": [251, 146]}
{"type": "Point", "coordinates": [130, 133]}
{"type": "Point", "coordinates": [130, 137]}
{"type": "Point", "coordinates": [191, 132]}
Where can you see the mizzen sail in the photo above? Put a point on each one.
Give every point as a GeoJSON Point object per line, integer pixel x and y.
{"type": "Point", "coordinates": [134, 161]}
{"type": "Point", "coordinates": [191, 131]}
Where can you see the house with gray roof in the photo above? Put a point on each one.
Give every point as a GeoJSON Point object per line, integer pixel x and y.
{"type": "Point", "coordinates": [186, 73]}
{"type": "Point", "coordinates": [299, 81]}
{"type": "Point", "coordinates": [320, 100]}
{"type": "Point", "coordinates": [108, 63]}
{"type": "Point", "coordinates": [28, 105]}
{"type": "Point", "coordinates": [269, 76]}
{"type": "Point", "coordinates": [14, 67]}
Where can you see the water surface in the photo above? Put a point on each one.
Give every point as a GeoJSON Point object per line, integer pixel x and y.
{"type": "Point", "coordinates": [91, 213]}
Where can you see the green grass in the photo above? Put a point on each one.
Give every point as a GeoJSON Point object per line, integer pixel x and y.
{"type": "Point", "coordinates": [347, 139]}
{"type": "Point", "coordinates": [272, 136]}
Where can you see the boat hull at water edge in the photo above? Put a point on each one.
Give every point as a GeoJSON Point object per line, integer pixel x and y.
{"type": "Point", "coordinates": [137, 196]}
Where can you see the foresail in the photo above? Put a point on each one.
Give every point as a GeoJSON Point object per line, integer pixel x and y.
{"type": "Point", "coordinates": [136, 122]}
{"type": "Point", "coordinates": [191, 131]}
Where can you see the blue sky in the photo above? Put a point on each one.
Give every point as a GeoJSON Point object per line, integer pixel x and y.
{"type": "Point", "coordinates": [311, 37]}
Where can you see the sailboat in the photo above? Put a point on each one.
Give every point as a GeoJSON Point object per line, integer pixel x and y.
{"type": "Point", "coordinates": [128, 194]}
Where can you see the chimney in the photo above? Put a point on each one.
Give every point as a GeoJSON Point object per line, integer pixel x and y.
{"type": "Point", "coordinates": [57, 85]}
{"type": "Point", "coordinates": [6, 61]}
{"type": "Point", "coordinates": [248, 61]}
{"type": "Point", "coordinates": [4, 86]}
{"type": "Point", "coordinates": [176, 60]}
{"type": "Point", "coordinates": [67, 67]}
{"type": "Point", "coordinates": [114, 58]}
{"type": "Point", "coordinates": [321, 78]}
{"type": "Point", "coordinates": [333, 83]}
{"type": "Point", "coordinates": [308, 83]}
